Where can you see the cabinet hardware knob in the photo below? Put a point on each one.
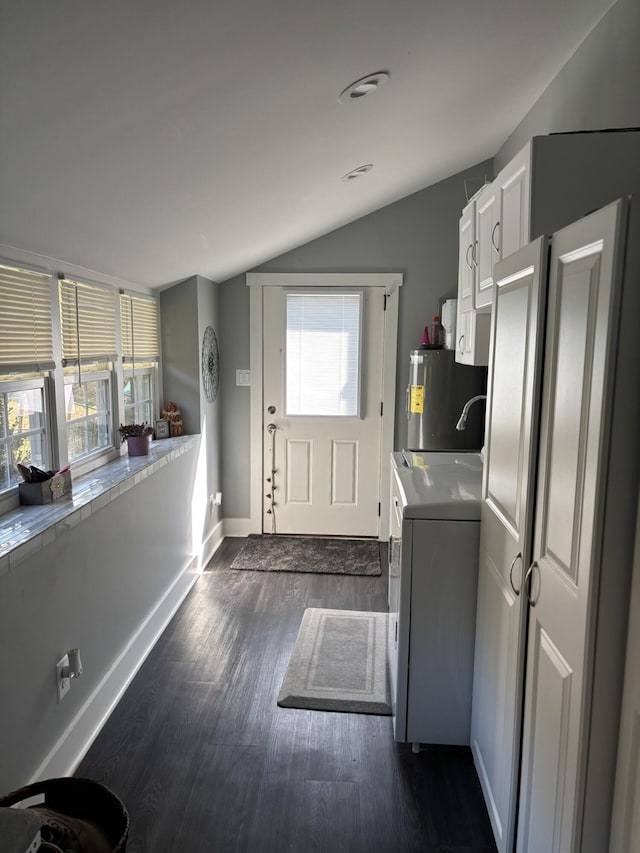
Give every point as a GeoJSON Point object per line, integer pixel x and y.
{"type": "Point", "coordinates": [493, 234]}
{"type": "Point", "coordinates": [469, 247]}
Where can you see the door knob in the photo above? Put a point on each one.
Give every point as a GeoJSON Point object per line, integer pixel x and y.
{"type": "Point", "coordinates": [271, 428]}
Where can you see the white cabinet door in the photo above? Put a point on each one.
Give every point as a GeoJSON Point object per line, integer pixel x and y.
{"type": "Point", "coordinates": [513, 185]}
{"type": "Point", "coordinates": [473, 331]}
{"type": "Point", "coordinates": [564, 574]}
{"type": "Point", "coordinates": [487, 251]}
{"type": "Point", "coordinates": [506, 532]}
{"type": "Point", "coordinates": [466, 264]}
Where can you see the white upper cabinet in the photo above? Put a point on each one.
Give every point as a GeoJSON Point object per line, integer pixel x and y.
{"type": "Point", "coordinates": [487, 251]}
{"type": "Point", "coordinates": [513, 188]}
{"type": "Point", "coordinates": [466, 249]}
{"type": "Point", "coordinates": [551, 182]}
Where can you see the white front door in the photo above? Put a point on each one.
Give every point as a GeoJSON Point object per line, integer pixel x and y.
{"type": "Point", "coordinates": [322, 414]}
{"type": "Point", "coordinates": [564, 575]}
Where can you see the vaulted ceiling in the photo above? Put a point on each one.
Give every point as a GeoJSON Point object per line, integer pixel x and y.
{"type": "Point", "coordinates": [151, 140]}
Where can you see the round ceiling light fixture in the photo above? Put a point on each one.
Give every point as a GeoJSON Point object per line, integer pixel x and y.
{"type": "Point", "coordinates": [357, 173]}
{"type": "Point", "coordinates": [363, 87]}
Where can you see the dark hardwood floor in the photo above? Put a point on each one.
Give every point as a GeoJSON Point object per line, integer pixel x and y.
{"type": "Point", "coordinates": [204, 759]}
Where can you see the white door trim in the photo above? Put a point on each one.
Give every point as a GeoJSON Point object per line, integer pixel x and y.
{"type": "Point", "coordinates": [256, 282]}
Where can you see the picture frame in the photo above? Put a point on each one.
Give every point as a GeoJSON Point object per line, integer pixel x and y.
{"type": "Point", "coordinates": [163, 429]}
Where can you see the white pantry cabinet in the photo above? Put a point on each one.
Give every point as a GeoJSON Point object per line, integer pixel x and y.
{"type": "Point", "coordinates": [557, 534]}
{"type": "Point", "coordinates": [552, 181]}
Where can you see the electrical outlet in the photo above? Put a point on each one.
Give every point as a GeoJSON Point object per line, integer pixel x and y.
{"type": "Point", "coordinates": [63, 684]}
{"type": "Point", "coordinates": [218, 499]}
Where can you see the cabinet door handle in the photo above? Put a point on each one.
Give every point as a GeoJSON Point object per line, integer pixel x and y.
{"type": "Point", "coordinates": [469, 248]}
{"type": "Point", "coordinates": [474, 254]}
{"type": "Point", "coordinates": [527, 583]}
{"type": "Point", "coordinates": [493, 235]}
{"type": "Point", "coordinates": [517, 557]}
{"type": "Point", "coordinates": [460, 339]}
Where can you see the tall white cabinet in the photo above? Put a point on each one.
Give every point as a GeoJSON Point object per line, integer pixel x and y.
{"type": "Point", "coordinates": [557, 533]}
{"type": "Point", "coordinates": [551, 182]}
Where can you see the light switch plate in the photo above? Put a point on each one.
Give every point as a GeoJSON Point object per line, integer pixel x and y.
{"type": "Point", "coordinates": [243, 378]}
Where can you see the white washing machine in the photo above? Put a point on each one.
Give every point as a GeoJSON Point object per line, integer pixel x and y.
{"type": "Point", "coordinates": [433, 579]}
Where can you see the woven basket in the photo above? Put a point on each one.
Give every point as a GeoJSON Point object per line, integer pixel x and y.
{"type": "Point", "coordinates": [80, 815]}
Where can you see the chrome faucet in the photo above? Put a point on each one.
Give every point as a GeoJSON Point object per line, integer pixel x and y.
{"type": "Point", "coordinates": [462, 421]}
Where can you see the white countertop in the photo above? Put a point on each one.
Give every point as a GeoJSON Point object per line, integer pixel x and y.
{"type": "Point", "coordinates": [439, 485]}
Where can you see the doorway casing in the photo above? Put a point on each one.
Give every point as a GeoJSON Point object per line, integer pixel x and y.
{"type": "Point", "coordinates": [391, 282]}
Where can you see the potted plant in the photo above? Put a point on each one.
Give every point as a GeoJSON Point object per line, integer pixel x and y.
{"type": "Point", "coordinates": [137, 437]}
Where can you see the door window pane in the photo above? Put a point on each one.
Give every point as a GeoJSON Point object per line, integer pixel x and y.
{"type": "Point", "coordinates": [323, 354]}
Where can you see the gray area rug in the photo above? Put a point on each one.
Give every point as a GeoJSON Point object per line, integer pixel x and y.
{"type": "Point", "coordinates": [309, 554]}
{"type": "Point", "coordinates": [339, 663]}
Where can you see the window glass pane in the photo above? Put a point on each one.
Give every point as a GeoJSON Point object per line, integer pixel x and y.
{"type": "Point", "coordinates": [323, 354]}
{"type": "Point", "coordinates": [22, 432]}
{"type": "Point", "coordinates": [88, 414]}
{"type": "Point", "coordinates": [5, 481]}
{"type": "Point", "coordinates": [138, 396]}
{"type": "Point", "coordinates": [143, 386]}
{"type": "Point", "coordinates": [76, 440]}
{"type": "Point", "coordinates": [26, 450]}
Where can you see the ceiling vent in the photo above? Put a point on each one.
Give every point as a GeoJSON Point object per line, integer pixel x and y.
{"type": "Point", "coordinates": [363, 87]}
{"type": "Point", "coordinates": [357, 173]}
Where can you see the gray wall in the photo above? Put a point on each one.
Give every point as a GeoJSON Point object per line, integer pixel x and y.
{"type": "Point", "coordinates": [93, 587]}
{"type": "Point", "coordinates": [210, 413]}
{"type": "Point", "coordinates": [417, 236]}
{"type": "Point", "coordinates": [187, 309]}
{"type": "Point", "coordinates": [180, 348]}
{"type": "Point", "coordinates": [598, 88]}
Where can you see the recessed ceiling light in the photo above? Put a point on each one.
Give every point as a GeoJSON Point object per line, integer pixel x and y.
{"type": "Point", "coordinates": [357, 173]}
{"type": "Point", "coordinates": [363, 87]}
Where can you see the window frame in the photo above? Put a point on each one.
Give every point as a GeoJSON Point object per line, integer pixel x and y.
{"type": "Point", "coordinates": [102, 455]}
{"type": "Point", "coordinates": [131, 371]}
{"type": "Point", "coordinates": [42, 383]}
{"type": "Point", "coordinates": [52, 375]}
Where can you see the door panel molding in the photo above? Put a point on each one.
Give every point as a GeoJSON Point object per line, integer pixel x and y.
{"type": "Point", "coordinates": [391, 282]}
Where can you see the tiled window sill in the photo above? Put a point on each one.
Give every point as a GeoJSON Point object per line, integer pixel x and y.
{"type": "Point", "coordinates": [26, 530]}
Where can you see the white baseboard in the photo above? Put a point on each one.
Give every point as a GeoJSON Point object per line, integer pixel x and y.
{"type": "Point", "coordinates": [73, 744]}
{"type": "Point", "coordinates": [238, 527]}
{"type": "Point", "coordinates": [212, 543]}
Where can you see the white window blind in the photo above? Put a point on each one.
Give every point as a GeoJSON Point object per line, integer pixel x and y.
{"type": "Point", "coordinates": [26, 339]}
{"type": "Point", "coordinates": [139, 328]}
{"type": "Point", "coordinates": [323, 354]}
{"type": "Point", "coordinates": [88, 319]}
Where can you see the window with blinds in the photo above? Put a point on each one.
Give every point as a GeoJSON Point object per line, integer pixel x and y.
{"type": "Point", "coordinates": [88, 322]}
{"type": "Point", "coordinates": [323, 354]}
{"type": "Point", "coordinates": [139, 329]}
{"type": "Point", "coordinates": [26, 342]}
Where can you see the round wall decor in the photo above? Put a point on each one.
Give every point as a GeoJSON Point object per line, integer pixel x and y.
{"type": "Point", "coordinates": [210, 364]}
